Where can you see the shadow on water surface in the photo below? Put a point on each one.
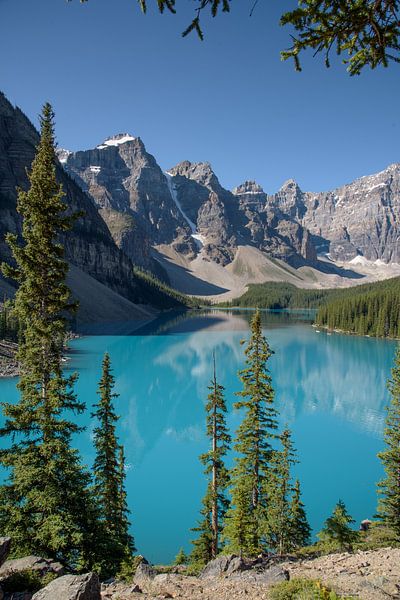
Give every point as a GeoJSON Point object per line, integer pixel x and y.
{"type": "Point", "coordinates": [186, 321]}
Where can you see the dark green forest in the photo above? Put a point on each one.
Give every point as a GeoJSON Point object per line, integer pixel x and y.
{"type": "Point", "coordinates": [365, 310]}
{"type": "Point", "coordinates": [368, 309]}
{"type": "Point", "coordinates": [274, 295]}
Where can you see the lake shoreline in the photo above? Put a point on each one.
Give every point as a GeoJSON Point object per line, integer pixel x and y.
{"type": "Point", "coordinates": [354, 334]}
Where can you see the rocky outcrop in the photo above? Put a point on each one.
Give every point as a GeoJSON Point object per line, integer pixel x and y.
{"type": "Point", "coordinates": [32, 563]}
{"type": "Point", "coordinates": [224, 565]}
{"type": "Point", "coordinates": [71, 587]}
{"type": "Point", "coordinates": [263, 569]}
{"type": "Point", "coordinates": [144, 572]}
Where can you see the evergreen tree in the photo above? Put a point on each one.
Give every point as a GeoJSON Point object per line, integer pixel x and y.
{"type": "Point", "coordinates": [300, 529]}
{"type": "Point", "coordinates": [109, 468]}
{"type": "Point", "coordinates": [215, 503]}
{"type": "Point", "coordinates": [201, 552]}
{"type": "Point", "coordinates": [389, 488]}
{"type": "Point", "coordinates": [123, 523]}
{"type": "Point", "coordinates": [278, 527]}
{"type": "Point", "coordinates": [253, 445]}
{"type": "Point", "coordinates": [181, 558]}
{"type": "Point", "coordinates": [337, 528]}
{"type": "Point", "coordinates": [45, 504]}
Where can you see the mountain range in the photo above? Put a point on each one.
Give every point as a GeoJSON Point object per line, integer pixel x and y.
{"type": "Point", "coordinates": [208, 240]}
{"type": "Point", "coordinates": [188, 230]}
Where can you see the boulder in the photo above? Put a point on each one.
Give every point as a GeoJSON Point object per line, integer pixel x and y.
{"type": "Point", "coordinates": [71, 587]}
{"type": "Point", "coordinates": [269, 576]}
{"type": "Point", "coordinates": [5, 545]}
{"type": "Point", "coordinates": [34, 563]}
{"type": "Point", "coordinates": [223, 565]}
{"type": "Point", "coordinates": [144, 572]}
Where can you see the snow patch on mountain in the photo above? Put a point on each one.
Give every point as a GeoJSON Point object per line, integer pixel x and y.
{"type": "Point", "coordinates": [116, 140]}
{"type": "Point", "coordinates": [62, 155]}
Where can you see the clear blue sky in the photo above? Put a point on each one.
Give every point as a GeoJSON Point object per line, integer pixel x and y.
{"type": "Point", "coordinates": [106, 68]}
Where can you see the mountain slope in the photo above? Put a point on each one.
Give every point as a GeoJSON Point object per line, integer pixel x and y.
{"type": "Point", "coordinates": [89, 246]}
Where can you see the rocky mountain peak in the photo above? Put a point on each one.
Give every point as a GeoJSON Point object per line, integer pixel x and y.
{"type": "Point", "coordinates": [290, 185]}
{"type": "Point", "coordinates": [248, 187]}
{"type": "Point", "coordinates": [200, 172]}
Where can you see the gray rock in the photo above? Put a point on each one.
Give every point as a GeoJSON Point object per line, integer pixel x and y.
{"type": "Point", "coordinates": [71, 587]}
{"type": "Point", "coordinates": [144, 572]}
{"type": "Point", "coordinates": [220, 566]}
{"type": "Point", "coordinates": [269, 576]}
{"type": "Point", "coordinates": [236, 565]}
{"type": "Point", "coordinates": [34, 563]}
{"type": "Point", "coordinates": [5, 545]}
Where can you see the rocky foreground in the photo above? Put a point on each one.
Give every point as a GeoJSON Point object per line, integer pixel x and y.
{"type": "Point", "coordinates": [370, 575]}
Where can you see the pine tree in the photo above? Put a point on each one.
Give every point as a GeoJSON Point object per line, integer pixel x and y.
{"type": "Point", "coordinates": [201, 552]}
{"type": "Point", "coordinates": [277, 527]}
{"type": "Point", "coordinates": [45, 504]}
{"type": "Point", "coordinates": [337, 528]}
{"type": "Point", "coordinates": [123, 523]}
{"type": "Point", "coordinates": [181, 558]}
{"type": "Point", "coordinates": [253, 445]}
{"type": "Point", "coordinates": [389, 488]}
{"type": "Point", "coordinates": [300, 529]}
{"type": "Point", "coordinates": [109, 468]}
{"type": "Point", "coordinates": [215, 502]}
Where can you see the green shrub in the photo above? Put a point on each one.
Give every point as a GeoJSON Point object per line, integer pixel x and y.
{"type": "Point", "coordinates": [378, 536]}
{"type": "Point", "coordinates": [181, 558]}
{"type": "Point", "coordinates": [320, 548]}
{"type": "Point", "coordinates": [304, 589]}
{"type": "Point", "coordinates": [28, 580]}
{"type": "Point", "coordinates": [194, 569]}
{"type": "Point", "coordinates": [128, 568]}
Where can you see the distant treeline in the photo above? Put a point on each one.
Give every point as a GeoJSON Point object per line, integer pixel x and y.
{"type": "Point", "coordinates": [365, 310]}
{"type": "Point", "coordinates": [165, 296]}
{"type": "Point", "coordinates": [274, 295]}
{"type": "Point", "coordinates": [368, 309]}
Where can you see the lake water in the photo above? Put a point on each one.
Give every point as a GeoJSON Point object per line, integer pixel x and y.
{"type": "Point", "coordinates": [330, 390]}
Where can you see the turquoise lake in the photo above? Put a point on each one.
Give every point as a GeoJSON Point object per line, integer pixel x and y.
{"type": "Point", "coordinates": [330, 390]}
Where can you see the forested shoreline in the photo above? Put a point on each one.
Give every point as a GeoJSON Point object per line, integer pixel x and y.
{"type": "Point", "coordinates": [374, 310]}
{"type": "Point", "coordinates": [368, 309]}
